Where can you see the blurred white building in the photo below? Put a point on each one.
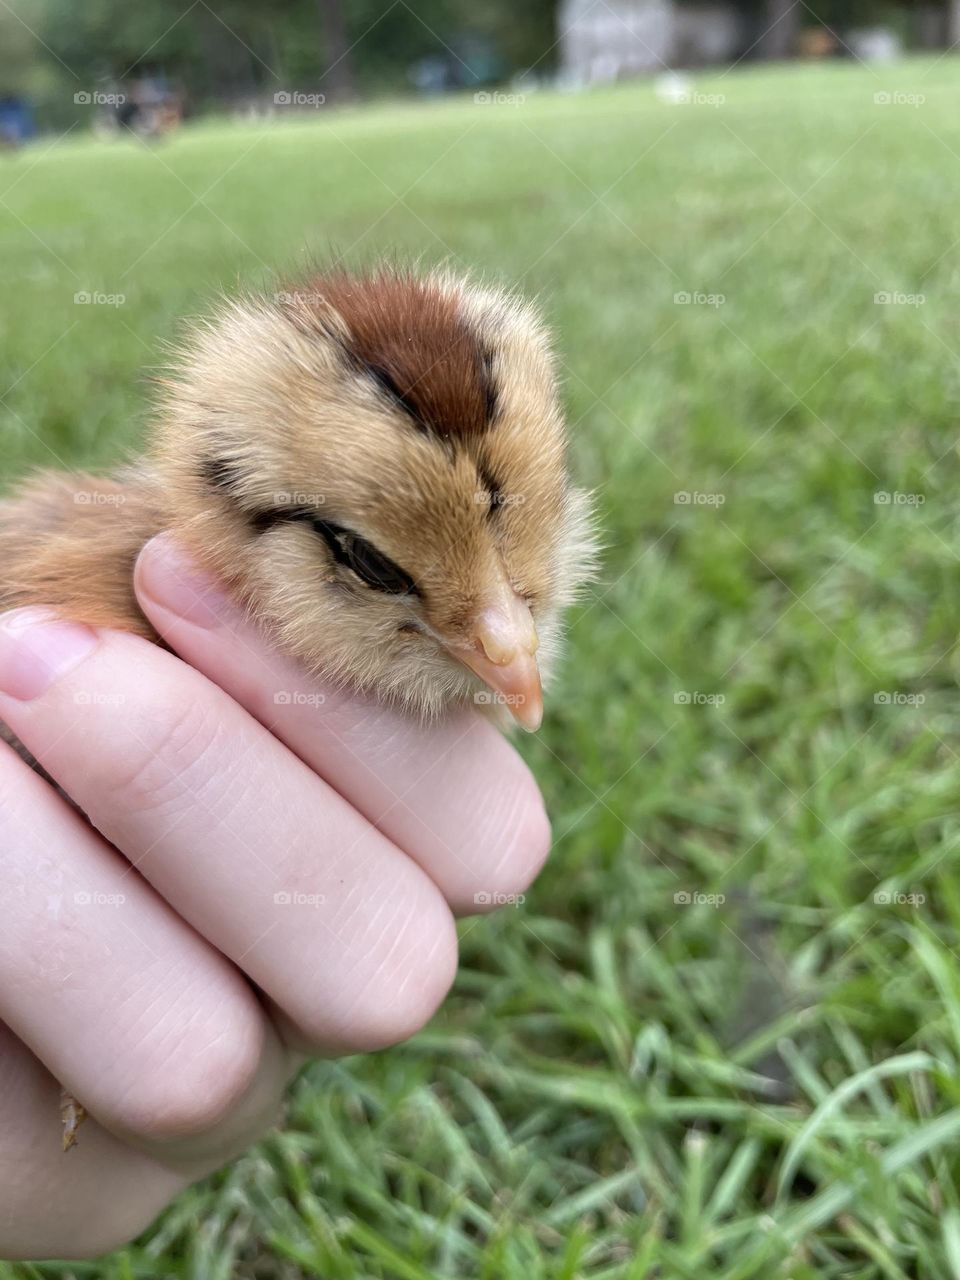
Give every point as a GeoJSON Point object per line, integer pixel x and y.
{"type": "Point", "coordinates": [604, 40]}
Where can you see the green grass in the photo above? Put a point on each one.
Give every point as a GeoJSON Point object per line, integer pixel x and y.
{"type": "Point", "coordinates": [624, 1085]}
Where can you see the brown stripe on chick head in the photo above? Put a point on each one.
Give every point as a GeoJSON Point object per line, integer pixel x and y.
{"type": "Point", "coordinates": [409, 335]}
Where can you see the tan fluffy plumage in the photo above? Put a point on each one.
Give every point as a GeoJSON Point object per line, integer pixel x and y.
{"type": "Point", "coordinates": [374, 464]}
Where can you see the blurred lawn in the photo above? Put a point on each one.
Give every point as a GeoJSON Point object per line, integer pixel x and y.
{"type": "Point", "coordinates": [625, 1084]}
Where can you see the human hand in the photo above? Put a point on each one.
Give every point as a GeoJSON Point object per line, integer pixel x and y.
{"type": "Point", "coordinates": [271, 867]}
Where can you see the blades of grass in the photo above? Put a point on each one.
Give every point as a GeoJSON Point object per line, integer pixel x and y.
{"type": "Point", "coordinates": [917, 1144]}
{"type": "Point", "coordinates": [873, 1248]}
{"type": "Point", "coordinates": [856, 1055]}
{"type": "Point", "coordinates": [487, 1117]}
{"type": "Point", "coordinates": [733, 1180]}
{"type": "Point", "coordinates": [695, 1152]}
{"type": "Point", "coordinates": [944, 975]}
{"type": "Point", "coordinates": [951, 1241]}
{"type": "Point", "coordinates": [804, 1072]}
{"type": "Point", "coordinates": [569, 1268]}
{"type": "Point", "coordinates": [903, 1064]}
{"type": "Point", "coordinates": [600, 1193]}
{"type": "Point", "coordinates": [769, 1037]}
{"type": "Point", "coordinates": [384, 1252]}
{"type": "Point", "coordinates": [796, 1224]}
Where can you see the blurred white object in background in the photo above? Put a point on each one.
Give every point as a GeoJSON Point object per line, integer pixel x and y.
{"type": "Point", "coordinates": [613, 40]}
{"type": "Point", "coordinates": [875, 44]}
{"type": "Point", "coordinates": [606, 40]}
{"type": "Point", "coordinates": [673, 87]}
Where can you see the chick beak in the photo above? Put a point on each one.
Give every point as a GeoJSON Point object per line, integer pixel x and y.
{"type": "Point", "coordinates": [503, 644]}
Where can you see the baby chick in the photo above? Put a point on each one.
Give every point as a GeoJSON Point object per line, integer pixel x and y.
{"type": "Point", "coordinates": [373, 464]}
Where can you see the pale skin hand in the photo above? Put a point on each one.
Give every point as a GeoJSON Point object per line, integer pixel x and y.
{"type": "Point", "coordinates": [299, 858]}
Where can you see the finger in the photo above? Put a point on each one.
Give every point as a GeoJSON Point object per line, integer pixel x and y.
{"type": "Point", "coordinates": [149, 1027]}
{"type": "Point", "coordinates": [54, 1206]}
{"type": "Point", "coordinates": [264, 859]}
{"type": "Point", "coordinates": [455, 796]}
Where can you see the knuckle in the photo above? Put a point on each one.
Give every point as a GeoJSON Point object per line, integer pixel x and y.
{"type": "Point", "coordinates": [161, 751]}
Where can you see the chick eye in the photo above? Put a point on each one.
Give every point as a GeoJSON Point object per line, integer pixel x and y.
{"type": "Point", "coordinates": [362, 558]}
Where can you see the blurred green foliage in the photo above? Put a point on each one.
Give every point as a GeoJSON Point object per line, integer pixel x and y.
{"type": "Point", "coordinates": [237, 49]}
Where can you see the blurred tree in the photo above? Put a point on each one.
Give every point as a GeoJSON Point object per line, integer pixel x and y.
{"type": "Point", "coordinates": [17, 54]}
{"type": "Point", "coordinates": [230, 49]}
{"type": "Point", "coordinates": [222, 51]}
{"type": "Point", "coordinates": [782, 23]}
{"type": "Point", "coordinates": [338, 49]}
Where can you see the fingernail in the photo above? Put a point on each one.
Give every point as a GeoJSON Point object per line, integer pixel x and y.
{"type": "Point", "coordinates": [37, 648]}
{"type": "Point", "coordinates": [169, 577]}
